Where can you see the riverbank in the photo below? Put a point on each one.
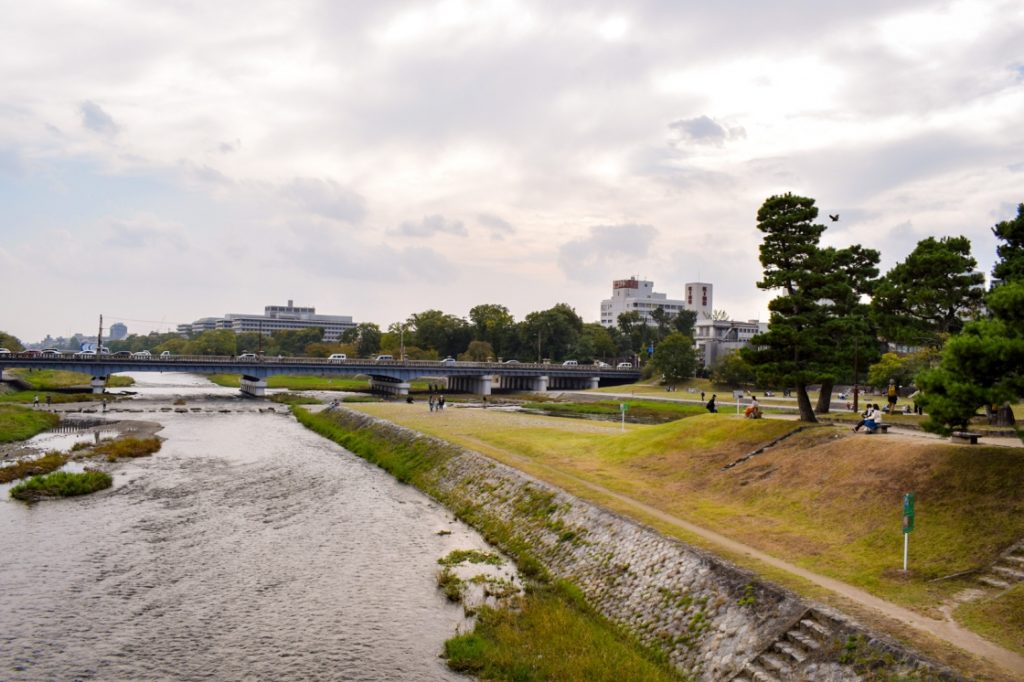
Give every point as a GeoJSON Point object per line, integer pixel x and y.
{"type": "Point", "coordinates": [709, 618]}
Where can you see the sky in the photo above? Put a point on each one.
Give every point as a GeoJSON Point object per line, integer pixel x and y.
{"type": "Point", "coordinates": [162, 162]}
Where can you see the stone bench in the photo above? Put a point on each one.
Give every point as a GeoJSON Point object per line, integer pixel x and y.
{"type": "Point", "coordinates": [965, 437]}
{"type": "Point", "coordinates": [884, 428]}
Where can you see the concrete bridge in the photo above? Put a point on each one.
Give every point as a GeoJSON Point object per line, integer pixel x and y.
{"type": "Point", "coordinates": [388, 376]}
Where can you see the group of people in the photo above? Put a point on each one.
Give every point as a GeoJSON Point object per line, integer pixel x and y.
{"type": "Point", "coordinates": [35, 402]}
{"type": "Point", "coordinates": [436, 403]}
{"type": "Point", "coordinates": [870, 419]}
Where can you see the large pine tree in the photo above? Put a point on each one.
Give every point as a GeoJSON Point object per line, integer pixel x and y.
{"type": "Point", "coordinates": [984, 365]}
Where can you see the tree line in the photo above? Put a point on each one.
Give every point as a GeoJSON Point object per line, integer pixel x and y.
{"type": "Point", "coordinates": [834, 317]}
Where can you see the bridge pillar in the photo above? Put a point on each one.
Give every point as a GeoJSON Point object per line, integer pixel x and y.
{"type": "Point", "coordinates": [397, 388]}
{"type": "Point", "coordinates": [251, 386]}
{"type": "Point", "coordinates": [98, 384]}
{"type": "Point", "coordinates": [595, 382]}
{"type": "Point", "coordinates": [539, 384]}
{"type": "Point", "coordinates": [484, 385]}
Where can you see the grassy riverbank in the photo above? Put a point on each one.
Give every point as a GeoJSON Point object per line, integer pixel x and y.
{"type": "Point", "coordinates": [19, 423]}
{"type": "Point", "coordinates": [61, 484]}
{"type": "Point", "coordinates": [824, 498]}
{"type": "Point", "coordinates": [53, 380]}
{"type": "Point", "coordinates": [553, 635]}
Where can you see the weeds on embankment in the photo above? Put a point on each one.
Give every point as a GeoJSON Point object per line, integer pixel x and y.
{"type": "Point", "coordinates": [549, 632]}
{"type": "Point", "coordinates": [51, 461]}
{"type": "Point", "coordinates": [61, 484]}
{"type": "Point", "coordinates": [17, 423]}
{"type": "Point", "coordinates": [125, 448]}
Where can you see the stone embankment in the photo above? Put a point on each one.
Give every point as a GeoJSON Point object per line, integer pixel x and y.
{"type": "Point", "coordinates": [713, 620]}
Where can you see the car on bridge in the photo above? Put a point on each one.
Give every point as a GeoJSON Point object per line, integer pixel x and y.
{"type": "Point", "coordinates": [51, 351]}
{"type": "Point", "coordinates": [247, 357]}
{"type": "Point", "coordinates": [624, 365]}
{"type": "Point", "coordinates": [383, 358]}
{"type": "Point", "coordinates": [337, 357]}
{"type": "Point", "coordinates": [85, 354]}
{"type": "Point", "coordinates": [4, 351]}
{"type": "Point", "coordinates": [449, 361]}
{"type": "Point", "coordinates": [142, 355]}
{"type": "Point", "coordinates": [166, 354]}
{"type": "Point", "coordinates": [123, 354]}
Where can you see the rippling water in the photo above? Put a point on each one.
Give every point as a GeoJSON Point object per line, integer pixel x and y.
{"type": "Point", "coordinates": [247, 548]}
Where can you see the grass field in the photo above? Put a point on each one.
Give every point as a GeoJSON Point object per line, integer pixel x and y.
{"type": "Point", "coordinates": [639, 411]}
{"type": "Point", "coordinates": [825, 499]}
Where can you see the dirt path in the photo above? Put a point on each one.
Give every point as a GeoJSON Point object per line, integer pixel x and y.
{"type": "Point", "coordinates": [946, 630]}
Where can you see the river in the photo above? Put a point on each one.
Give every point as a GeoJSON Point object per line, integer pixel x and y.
{"type": "Point", "coordinates": [247, 548]}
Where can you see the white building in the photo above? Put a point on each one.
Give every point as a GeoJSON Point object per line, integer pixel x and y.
{"type": "Point", "coordinates": [274, 318]}
{"type": "Point", "coordinates": [714, 339]}
{"type": "Point", "coordinates": [637, 295]}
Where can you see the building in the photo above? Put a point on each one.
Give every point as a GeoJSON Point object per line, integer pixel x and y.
{"type": "Point", "coordinates": [714, 339]}
{"type": "Point", "coordinates": [274, 318]}
{"type": "Point", "coordinates": [118, 331]}
{"type": "Point", "coordinates": [637, 295]}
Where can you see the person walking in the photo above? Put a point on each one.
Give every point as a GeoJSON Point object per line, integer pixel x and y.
{"type": "Point", "coordinates": [431, 402]}
{"type": "Point", "coordinates": [711, 404]}
{"type": "Point", "coordinates": [49, 402]}
{"type": "Point", "coordinates": [35, 403]}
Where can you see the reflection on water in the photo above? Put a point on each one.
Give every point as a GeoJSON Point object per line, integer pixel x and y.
{"type": "Point", "coordinates": [246, 548]}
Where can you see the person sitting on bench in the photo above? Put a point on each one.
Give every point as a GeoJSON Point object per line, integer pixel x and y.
{"type": "Point", "coordinates": [873, 419]}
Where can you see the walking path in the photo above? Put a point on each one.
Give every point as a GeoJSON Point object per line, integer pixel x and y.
{"type": "Point", "coordinates": [945, 630]}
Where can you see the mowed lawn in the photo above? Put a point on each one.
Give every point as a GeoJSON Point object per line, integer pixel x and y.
{"type": "Point", "coordinates": [824, 498]}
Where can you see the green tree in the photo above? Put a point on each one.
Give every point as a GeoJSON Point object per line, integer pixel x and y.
{"type": "Point", "coordinates": [901, 369]}
{"type": "Point", "coordinates": [675, 358]}
{"type": "Point", "coordinates": [684, 322]}
{"type": "Point", "coordinates": [367, 339]}
{"type": "Point", "coordinates": [551, 333]}
{"type": "Point", "coordinates": [294, 341]}
{"type": "Point", "coordinates": [494, 324]}
{"type": "Point", "coordinates": [10, 342]}
{"type": "Point", "coordinates": [600, 340]}
{"type": "Point", "coordinates": [732, 370]}
{"type": "Point", "coordinates": [447, 334]}
{"type": "Point", "coordinates": [478, 351]}
{"type": "Point", "coordinates": [984, 365]}
{"type": "Point", "coordinates": [929, 295]}
{"type": "Point", "coordinates": [797, 349]}
{"type": "Point", "coordinates": [212, 342]}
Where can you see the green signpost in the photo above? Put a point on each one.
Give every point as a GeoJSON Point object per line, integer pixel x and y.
{"type": "Point", "coordinates": [908, 525]}
{"type": "Point", "coordinates": [622, 408]}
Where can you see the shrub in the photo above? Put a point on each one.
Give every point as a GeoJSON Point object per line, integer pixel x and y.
{"type": "Point", "coordinates": [61, 484]}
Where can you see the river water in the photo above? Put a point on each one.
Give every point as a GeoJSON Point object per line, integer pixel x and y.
{"type": "Point", "coordinates": [247, 548]}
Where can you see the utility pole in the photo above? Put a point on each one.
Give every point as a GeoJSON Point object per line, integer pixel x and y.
{"type": "Point", "coordinates": [856, 363]}
{"type": "Point", "coordinates": [99, 339]}
{"type": "Point", "coordinates": [260, 341]}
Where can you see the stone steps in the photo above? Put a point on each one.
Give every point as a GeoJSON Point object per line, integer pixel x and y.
{"type": "Point", "coordinates": [780, 660]}
{"type": "Point", "coordinates": [1006, 571]}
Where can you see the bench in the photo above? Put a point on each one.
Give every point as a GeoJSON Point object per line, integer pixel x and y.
{"type": "Point", "coordinates": [965, 437]}
{"type": "Point", "coordinates": [884, 428]}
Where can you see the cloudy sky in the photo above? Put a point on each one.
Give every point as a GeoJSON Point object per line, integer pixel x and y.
{"type": "Point", "coordinates": [161, 162]}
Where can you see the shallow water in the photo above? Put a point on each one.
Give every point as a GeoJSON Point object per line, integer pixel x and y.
{"type": "Point", "coordinates": [248, 547]}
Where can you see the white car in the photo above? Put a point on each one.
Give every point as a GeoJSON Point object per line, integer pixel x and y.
{"type": "Point", "coordinates": [4, 351]}
{"type": "Point", "coordinates": [337, 357]}
{"type": "Point", "coordinates": [384, 358]}
{"type": "Point", "coordinates": [51, 351]}
{"type": "Point", "coordinates": [598, 363]}
{"type": "Point", "coordinates": [624, 365]}
{"type": "Point", "coordinates": [86, 354]}
{"type": "Point", "coordinates": [449, 361]}
{"type": "Point", "coordinates": [166, 354]}
{"type": "Point", "coordinates": [247, 357]}
{"type": "Point", "coordinates": [570, 363]}
{"type": "Point", "coordinates": [142, 355]}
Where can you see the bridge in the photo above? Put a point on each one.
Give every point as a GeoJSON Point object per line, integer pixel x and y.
{"type": "Point", "coordinates": [387, 376]}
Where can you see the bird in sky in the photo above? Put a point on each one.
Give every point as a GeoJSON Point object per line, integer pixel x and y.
{"type": "Point", "coordinates": [834, 217]}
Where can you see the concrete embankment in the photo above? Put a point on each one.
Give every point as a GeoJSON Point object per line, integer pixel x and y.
{"type": "Point", "coordinates": [713, 620]}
